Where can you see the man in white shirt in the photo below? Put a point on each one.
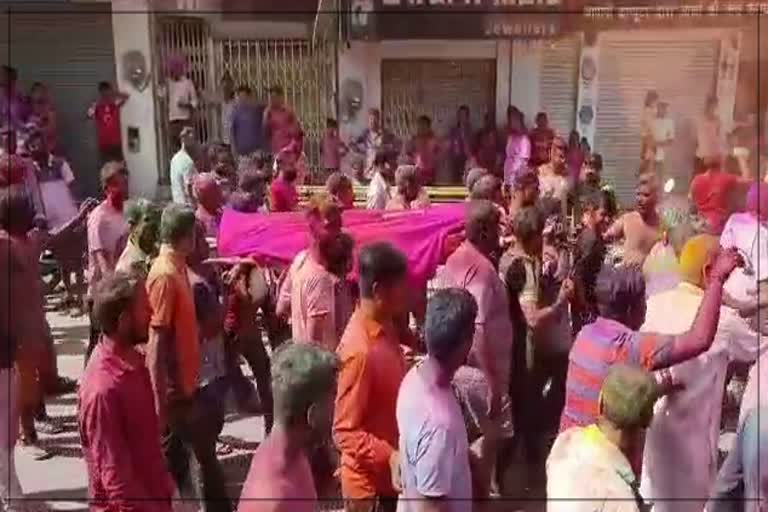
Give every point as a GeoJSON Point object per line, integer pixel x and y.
{"type": "Point", "coordinates": [183, 168]}
{"type": "Point", "coordinates": [589, 468]}
{"type": "Point", "coordinates": [379, 189]}
{"type": "Point", "coordinates": [748, 232]}
{"type": "Point", "coordinates": [434, 450]}
{"type": "Point", "coordinates": [681, 446]}
{"type": "Point", "coordinates": [182, 100]}
{"type": "Point", "coordinates": [663, 129]}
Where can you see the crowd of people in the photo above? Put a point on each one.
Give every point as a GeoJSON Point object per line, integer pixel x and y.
{"type": "Point", "coordinates": [606, 381]}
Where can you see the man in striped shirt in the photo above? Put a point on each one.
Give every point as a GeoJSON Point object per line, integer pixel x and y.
{"type": "Point", "coordinates": [614, 338]}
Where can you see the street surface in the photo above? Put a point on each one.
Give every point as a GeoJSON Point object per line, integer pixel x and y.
{"type": "Point", "coordinates": [60, 483]}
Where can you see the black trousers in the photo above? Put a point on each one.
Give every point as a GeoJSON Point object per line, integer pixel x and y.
{"type": "Point", "coordinates": [93, 332]}
{"type": "Point", "coordinates": [374, 504]}
{"type": "Point", "coordinates": [536, 415]}
{"type": "Point", "coordinates": [111, 154]}
{"type": "Point", "coordinates": [190, 447]}
{"type": "Point", "coordinates": [255, 354]}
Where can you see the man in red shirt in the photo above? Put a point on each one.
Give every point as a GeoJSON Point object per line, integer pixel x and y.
{"type": "Point", "coordinates": [283, 196]}
{"type": "Point", "coordinates": [280, 478]}
{"type": "Point", "coordinates": [280, 122]}
{"type": "Point", "coordinates": [106, 113]}
{"type": "Point", "coordinates": [118, 426]}
{"type": "Point", "coordinates": [713, 194]}
{"type": "Point", "coordinates": [541, 140]}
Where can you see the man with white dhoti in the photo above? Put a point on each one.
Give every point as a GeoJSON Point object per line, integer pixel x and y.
{"type": "Point", "coordinates": [680, 457]}
{"type": "Point", "coordinates": [748, 232]}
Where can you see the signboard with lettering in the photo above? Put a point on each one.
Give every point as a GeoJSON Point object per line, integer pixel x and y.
{"type": "Point", "coordinates": [607, 15]}
{"type": "Point", "coordinates": [455, 19]}
{"type": "Point", "coordinates": [586, 103]}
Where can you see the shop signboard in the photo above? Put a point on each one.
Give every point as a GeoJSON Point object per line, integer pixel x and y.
{"type": "Point", "coordinates": [455, 19]}
{"type": "Point", "coordinates": [611, 15]}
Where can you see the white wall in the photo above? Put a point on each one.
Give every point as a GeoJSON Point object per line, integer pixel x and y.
{"type": "Point", "coordinates": [362, 62]}
{"type": "Point", "coordinates": [131, 30]}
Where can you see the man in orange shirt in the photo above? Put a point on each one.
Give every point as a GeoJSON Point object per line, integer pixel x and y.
{"type": "Point", "coordinates": [372, 367]}
{"type": "Point", "coordinates": [174, 360]}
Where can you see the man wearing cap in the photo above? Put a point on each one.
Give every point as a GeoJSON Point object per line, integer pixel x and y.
{"type": "Point", "coordinates": [280, 122]}
{"type": "Point", "coordinates": [183, 169]}
{"type": "Point", "coordinates": [107, 228]}
{"type": "Point", "coordinates": [590, 468]}
{"type": "Point", "coordinates": [687, 423]}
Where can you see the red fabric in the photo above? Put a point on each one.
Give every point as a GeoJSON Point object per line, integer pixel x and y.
{"type": "Point", "coordinates": [120, 433]}
{"type": "Point", "coordinates": [711, 193]}
{"type": "Point", "coordinates": [107, 116]}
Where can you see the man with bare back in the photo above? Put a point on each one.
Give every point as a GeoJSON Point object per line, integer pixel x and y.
{"type": "Point", "coordinates": [641, 228]}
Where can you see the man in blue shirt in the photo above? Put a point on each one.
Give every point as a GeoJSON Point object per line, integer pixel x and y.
{"type": "Point", "coordinates": [247, 134]}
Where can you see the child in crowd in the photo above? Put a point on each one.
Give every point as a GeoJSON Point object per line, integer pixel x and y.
{"type": "Point", "coordinates": [333, 149]}
{"type": "Point", "coordinates": [106, 112]}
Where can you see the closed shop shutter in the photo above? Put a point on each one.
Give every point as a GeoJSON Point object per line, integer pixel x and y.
{"type": "Point", "coordinates": [70, 50]}
{"type": "Point", "coordinates": [681, 68]}
{"type": "Point", "coordinates": [559, 73]}
{"type": "Point", "coordinates": [436, 88]}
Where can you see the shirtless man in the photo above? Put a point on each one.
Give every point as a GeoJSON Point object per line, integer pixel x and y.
{"type": "Point", "coordinates": [641, 228]}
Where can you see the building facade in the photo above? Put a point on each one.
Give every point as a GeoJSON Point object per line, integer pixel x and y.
{"type": "Point", "coordinates": [588, 66]}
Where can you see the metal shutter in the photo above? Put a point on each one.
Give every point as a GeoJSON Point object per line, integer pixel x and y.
{"type": "Point", "coordinates": [558, 79]}
{"type": "Point", "coordinates": [436, 88]}
{"type": "Point", "coordinates": [70, 50]}
{"type": "Point", "coordinates": [681, 68]}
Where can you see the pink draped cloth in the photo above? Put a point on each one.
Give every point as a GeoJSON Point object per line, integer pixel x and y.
{"type": "Point", "coordinates": [276, 238]}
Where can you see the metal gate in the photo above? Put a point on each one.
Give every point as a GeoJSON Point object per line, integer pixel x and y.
{"type": "Point", "coordinates": [190, 38]}
{"type": "Point", "coordinates": [306, 71]}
